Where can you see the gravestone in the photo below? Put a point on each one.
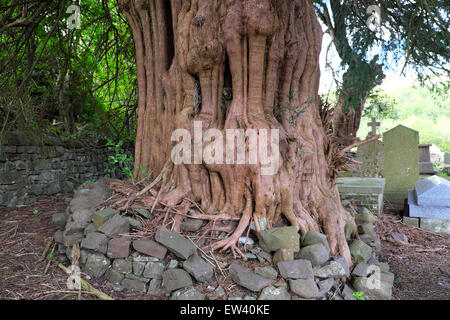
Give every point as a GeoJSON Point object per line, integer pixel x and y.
{"type": "Point", "coordinates": [447, 163]}
{"type": "Point", "coordinates": [371, 156]}
{"type": "Point", "coordinates": [447, 159]}
{"type": "Point", "coordinates": [401, 162]}
{"type": "Point", "coordinates": [425, 164]}
{"type": "Point", "coordinates": [429, 203]}
{"type": "Point", "coordinates": [362, 192]}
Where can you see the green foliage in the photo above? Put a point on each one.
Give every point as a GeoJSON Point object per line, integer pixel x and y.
{"type": "Point", "coordinates": [359, 295]}
{"type": "Point", "coordinates": [58, 79]}
{"type": "Point", "coordinates": [419, 108]}
{"type": "Point", "coordinates": [119, 161]}
{"type": "Point", "coordinates": [381, 106]}
{"type": "Point", "coordinates": [35, 212]}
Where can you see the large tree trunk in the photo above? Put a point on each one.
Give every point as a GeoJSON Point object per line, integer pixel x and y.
{"type": "Point", "coordinates": [235, 64]}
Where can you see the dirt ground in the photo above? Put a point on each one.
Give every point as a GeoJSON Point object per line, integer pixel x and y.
{"type": "Point", "coordinates": [422, 269]}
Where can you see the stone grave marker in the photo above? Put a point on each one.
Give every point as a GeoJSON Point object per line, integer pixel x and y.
{"type": "Point", "coordinates": [425, 164]}
{"type": "Point", "coordinates": [362, 192]}
{"type": "Point", "coordinates": [429, 203]}
{"type": "Point", "coordinates": [372, 157]}
{"type": "Point", "coordinates": [401, 162]}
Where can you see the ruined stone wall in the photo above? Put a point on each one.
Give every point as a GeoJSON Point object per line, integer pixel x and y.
{"type": "Point", "coordinates": [32, 168]}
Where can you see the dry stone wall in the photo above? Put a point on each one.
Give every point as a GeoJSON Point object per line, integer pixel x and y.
{"type": "Point", "coordinates": [32, 168]}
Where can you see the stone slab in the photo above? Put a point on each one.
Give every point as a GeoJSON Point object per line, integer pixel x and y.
{"type": "Point", "coordinates": [360, 185]}
{"type": "Point", "coordinates": [435, 225]}
{"type": "Point", "coordinates": [418, 211]}
{"type": "Point", "coordinates": [426, 168]}
{"type": "Point", "coordinates": [433, 191]}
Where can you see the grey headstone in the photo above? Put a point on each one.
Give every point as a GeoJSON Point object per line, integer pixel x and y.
{"type": "Point", "coordinates": [401, 162]}
{"type": "Point", "coordinates": [433, 191]}
{"type": "Point", "coordinates": [433, 212]}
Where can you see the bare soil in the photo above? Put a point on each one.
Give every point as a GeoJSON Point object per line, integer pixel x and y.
{"type": "Point", "coordinates": [421, 269]}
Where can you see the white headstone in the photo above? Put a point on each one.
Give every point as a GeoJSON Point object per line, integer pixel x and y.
{"type": "Point", "coordinates": [433, 191]}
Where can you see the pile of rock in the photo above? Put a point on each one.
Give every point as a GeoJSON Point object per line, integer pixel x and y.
{"type": "Point", "coordinates": [292, 267]}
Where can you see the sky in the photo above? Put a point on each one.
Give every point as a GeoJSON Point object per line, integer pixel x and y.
{"type": "Point", "coordinates": [393, 81]}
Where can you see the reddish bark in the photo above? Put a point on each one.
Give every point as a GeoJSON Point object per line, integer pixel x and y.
{"type": "Point", "coordinates": [264, 54]}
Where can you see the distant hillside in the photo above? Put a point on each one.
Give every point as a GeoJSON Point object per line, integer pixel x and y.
{"type": "Point", "coordinates": [419, 109]}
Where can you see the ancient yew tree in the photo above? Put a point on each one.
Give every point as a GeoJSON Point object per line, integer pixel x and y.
{"type": "Point", "coordinates": [238, 65]}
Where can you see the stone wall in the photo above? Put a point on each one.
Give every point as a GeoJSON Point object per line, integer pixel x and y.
{"type": "Point", "coordinates": [32, 168]}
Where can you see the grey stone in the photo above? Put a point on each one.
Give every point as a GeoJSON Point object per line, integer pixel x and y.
{"type": "Point", "coordinates": [138, 268]}
{"type": "Point", "coordinates": [134, 223]}
{"type": "Point", "coordinates": [115, 226]}
{"type": "Point", "coordinates": [267, 272]}
{"type": "Point", "coordinates": [119, 247]}
{"type": "Point", "coordinates": [142, 212]}
{"type": "Point", "coordinates": [316, 253]}
{"type": "Point", "coordinates": [384, 267]}
{"type": "Point", "coordinates": [372, 290]}
{"type": "Point", "coordinates": [101, 216]}
{"type": "Point", "coordinates": [296, 269]}
{"type": "Point", "coordinates": [361, 270]}
{"type": "Point", "coordinates": [198, 268]}
{"type": "Point", "coordinates": [96, 265]}
{"type": "Point", "coordinates": [83, 215]}
{"type": "Point", "coordinates": [313, 237]}
{"type": "Point", "coordinates": [432, 212]}
{"type": "Point", "coordinates": [153, 270]}
{"type": "Point", "coordinates": [90, 228]}
{"type": "Point", "coordinates": [75, 227]}
{"type": "Point", "coordinates": [59, 237]}
{"type": "Point", "coordinates": [137, 278]}
{"type": "Point", "coordinates": [59, 219]}
{"type": "Point", "coordinates": [399, 236]}
{"type": "Point", "coordinates": [325, 286]}
{"type": "Point", "coordinates": [187, 294]}
{"type": "Point", "coordinates": [360, 251]}
{"type": "Point", "coordinates": [435, 225]}
{"type": "Point", "coordinates": [136, 257]}
{"type": "Point", "coordinates": [333, 269]}
{"type": "Point", "coordinates": [71, 239]}
{"type": "Point", "coordinates": [367, 217]}
{"type": "Point", "coordinates": [343, 263]}
{"type": "Point", "coordinates": [284, 254]}
{"type": "Point", "coordinates": [113, 276]}
{"type": "Point", "coordinates": [173, 264]}
{"type": "Point", "coordinates": [414, 222]}
{"type": "Point", "coordinates": [175, 242]}
{"type": "Point", "coordinates": [433, 191]}
{"type": "Point", "coordinates": [122, 266]}
{"type": "Point", "coordinates": [362, 192]}
{"type": "Point", "coordinates": [155, 288]}
{"type": "Point", "coordinates": [366, 228]}
{"type": "Point", "coordinates": [218, 293]}
{"type": "Point", "coordinates": [176, 279]}
{"type": "Point", "coordinates": [150, 247]}
{"type": "Point", "coordinates": [273, 293]}
{"type": "Point", "coordinates": [305, 288]}
{"type": "Point", "coordinates": [347, 293]}
{"type": "Point", "coordinates": [95, 241]}
{"type": "Point", "coordinates": [280, 238]}
{"type": "Point", "coordinates": [191, 224]}
{"type": "Point", "coordinates": [134, 285]}
{"type": "Point", "coordinates": [247, 279]}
